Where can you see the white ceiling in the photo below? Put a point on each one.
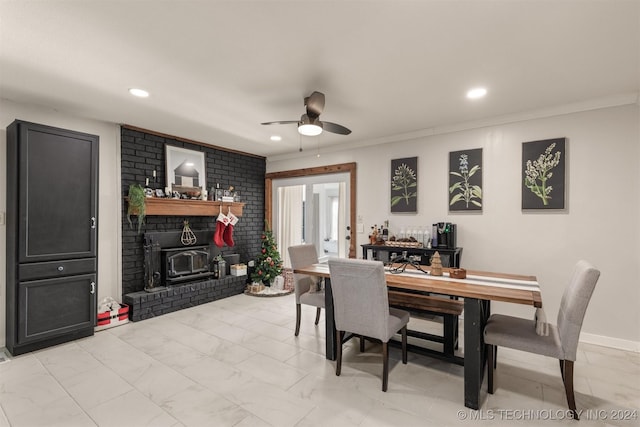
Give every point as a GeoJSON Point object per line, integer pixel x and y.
{"type": "Point", "coordinates": [217, 69]}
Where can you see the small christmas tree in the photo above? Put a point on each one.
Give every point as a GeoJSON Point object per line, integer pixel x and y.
{"type": "Point", "coordinates": [269, 264]}
{"type": "Point", "coordinates": [436, 265]}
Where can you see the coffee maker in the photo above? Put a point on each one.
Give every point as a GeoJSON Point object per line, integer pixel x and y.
{"type": "Point", "coordinates": [443, 235]}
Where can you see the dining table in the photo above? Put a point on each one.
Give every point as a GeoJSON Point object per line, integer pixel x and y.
{"type": "Point", "coordinates": [477, 289]}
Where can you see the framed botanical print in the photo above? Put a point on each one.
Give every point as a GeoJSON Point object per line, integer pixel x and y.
{"type": "Point", "coordinates": [543, 174]}
{"type": "Point", "coordinates": [465, 180]}
{"type": "Point", "coordinates": [185, 172]}
{"type": "Point", "coordinates": [404, 185]}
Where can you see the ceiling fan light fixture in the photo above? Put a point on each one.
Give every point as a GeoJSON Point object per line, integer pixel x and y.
{"type": "Point", "coordinates": [309, 126]}
{"type": "Point", "coordinates": [309, 129]}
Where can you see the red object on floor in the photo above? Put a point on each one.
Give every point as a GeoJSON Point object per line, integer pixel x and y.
{"type": "Point", "coordinates": [115, 316]}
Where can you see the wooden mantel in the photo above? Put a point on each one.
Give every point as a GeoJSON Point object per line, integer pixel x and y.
{"type": "Point", "coordinates": [182, 207]}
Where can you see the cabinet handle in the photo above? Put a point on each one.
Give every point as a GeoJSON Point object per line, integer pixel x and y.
{"type": "Point", "coordinates": [60, 268]}
{"type": "Point", "coordinates": [93, 288]}
{"type": "Point", "coordinates": [93, 222]}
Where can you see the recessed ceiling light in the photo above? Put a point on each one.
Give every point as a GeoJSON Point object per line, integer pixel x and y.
{"type": "Point", "coordinates": [276, 138]}
{"type": "Point", "coordinates": [140, 93]}
{"type": "Point", "coordinates": [476, 93]}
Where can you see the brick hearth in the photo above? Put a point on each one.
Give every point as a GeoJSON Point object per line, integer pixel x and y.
{"type": "Point", "coordinates": [144, 305]}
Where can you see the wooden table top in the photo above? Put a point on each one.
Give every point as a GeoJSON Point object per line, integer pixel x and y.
{"type": "Point", "coordinates": [465, 288]}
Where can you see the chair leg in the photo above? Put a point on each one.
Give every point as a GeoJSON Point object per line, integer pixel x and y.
{"type": "Point", "coordinates": [339, 337]}
{"type": "Point", "coordinates": [298, 314]}
{"type": "Point", "coordinates": [361, 343]}
{"type": "Point", "coordinates": [318, 315]}
{"type": "Point", "coordinates": [385, 365]}
{"type": "Point", "coordinates": [495, 357]}
{"type": "Point", "coordinates": [404, 344]}
{"type": "Point", "coordinates": [455, 332]}
{"type": "Point", "coordinates": [490, 367]}
{"type": "Point", "coordinates": [568, 387]}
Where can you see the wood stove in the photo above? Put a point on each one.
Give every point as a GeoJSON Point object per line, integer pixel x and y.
{"type": "Point", "coordinates": [168, 262]}
{"type": "Point", "coordinates": [185, 264]}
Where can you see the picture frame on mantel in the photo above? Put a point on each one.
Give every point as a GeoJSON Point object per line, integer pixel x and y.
{"type": "Point", "coordinates": [543, 174]}
{"type": "Point", "coordinates": [186, 173]}
{"type": "Point", "coordinates": [465, 180]}
{"type": "Point", "coordinates": [404, 185]}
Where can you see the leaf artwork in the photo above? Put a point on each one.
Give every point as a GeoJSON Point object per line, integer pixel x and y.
{"type": "Point", "coordinates": [538, 172]}
{"type": "Point", "coordinates": [465, 192]}
{"type": "Point", "coordinates": [404, 180]}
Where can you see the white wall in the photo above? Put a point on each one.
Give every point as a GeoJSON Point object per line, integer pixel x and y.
{"type": "Point", "coordinates": [109, 271]}
{"type": "Point", "coordinates": [601, 223]}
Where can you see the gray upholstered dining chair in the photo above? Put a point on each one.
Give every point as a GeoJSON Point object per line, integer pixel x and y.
{"type": "Point", "coordinates": [305, 287]}
{"type": "Point", "coordinates": [361, 306]}
{"type": "Point", "coordinates": [562, 340]}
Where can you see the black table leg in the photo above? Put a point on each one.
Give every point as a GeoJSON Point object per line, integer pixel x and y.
{"type": "Point", "coordinates": [329, 321]}
{"type": "Point", "coordinates": [476, 313]}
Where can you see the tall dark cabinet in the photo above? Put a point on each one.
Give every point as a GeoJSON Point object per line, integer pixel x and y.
{"type": "Point", "coordinates": [52, 231]}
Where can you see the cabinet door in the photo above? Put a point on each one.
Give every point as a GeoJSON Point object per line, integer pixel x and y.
{"type": "Point", "coordinates": [53, 307]}
{"type": "Point", "coordinates": [57, 193]}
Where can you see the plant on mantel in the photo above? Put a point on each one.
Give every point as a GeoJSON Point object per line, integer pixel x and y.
{"type": "Point", "coordinates": [136, 205]}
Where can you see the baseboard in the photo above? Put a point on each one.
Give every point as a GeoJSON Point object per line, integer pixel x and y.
{"type": "Point", "coordinates": [616, 343]}
{"type": "Point", "coordinates": [602, 340]}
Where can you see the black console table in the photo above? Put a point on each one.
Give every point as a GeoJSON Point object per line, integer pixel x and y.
{"type": "Point", "coordinates": [449, 257]}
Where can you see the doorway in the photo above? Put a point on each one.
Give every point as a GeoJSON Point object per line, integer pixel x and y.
{"type": "Point", "coordinates": [315, 205]}
{"type": "Point", "coordinates": [312, 210]}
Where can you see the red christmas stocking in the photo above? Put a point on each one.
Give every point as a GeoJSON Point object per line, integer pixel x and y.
{"type": "Point", "coordinates": [228, 231]}
{"type": "Point", "coordinates": [221, 225]}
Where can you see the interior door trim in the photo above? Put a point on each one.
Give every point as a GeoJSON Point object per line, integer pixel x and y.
{"type": "Point", "coordinates": [319, 170]}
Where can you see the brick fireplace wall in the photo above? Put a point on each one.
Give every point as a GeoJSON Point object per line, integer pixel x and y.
{"type": "Point", "coordinates": [143, 152]}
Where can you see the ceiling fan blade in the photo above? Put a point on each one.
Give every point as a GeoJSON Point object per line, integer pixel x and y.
{"type": "Point", "coordinates": [314, 103]}
{"type": "Point", "coordinates": [280, 122]}
{"type": "Point", "coordinates": [335, 128]}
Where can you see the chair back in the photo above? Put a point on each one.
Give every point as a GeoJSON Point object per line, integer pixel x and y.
{"type": "Point", "coordinates": [573, 306]}
{"type": "Point", "coordinates": [302, 256]}
{"type": "Point", "coordinates": [360, 299]}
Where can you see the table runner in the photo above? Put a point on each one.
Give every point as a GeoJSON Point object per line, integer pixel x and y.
{"type": "Point", "coordinates": [500, 282]}
{"type": "Point", "coordinates": [471, 279]}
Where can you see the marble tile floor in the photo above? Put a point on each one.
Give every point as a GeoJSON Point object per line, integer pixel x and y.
{"type": "Point", "coordinates": [236, 362]}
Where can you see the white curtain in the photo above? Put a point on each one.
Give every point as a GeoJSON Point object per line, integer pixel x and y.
{"type": "Point", "coordinates": [335, 207]}
{"type": "Point", "coordinates": [289, 220]}
{"type": "Point", "coordinates": [342, 221]}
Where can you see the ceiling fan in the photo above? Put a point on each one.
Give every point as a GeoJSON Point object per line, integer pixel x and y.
{"type": "Point", "coordinates": [310, 124]}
